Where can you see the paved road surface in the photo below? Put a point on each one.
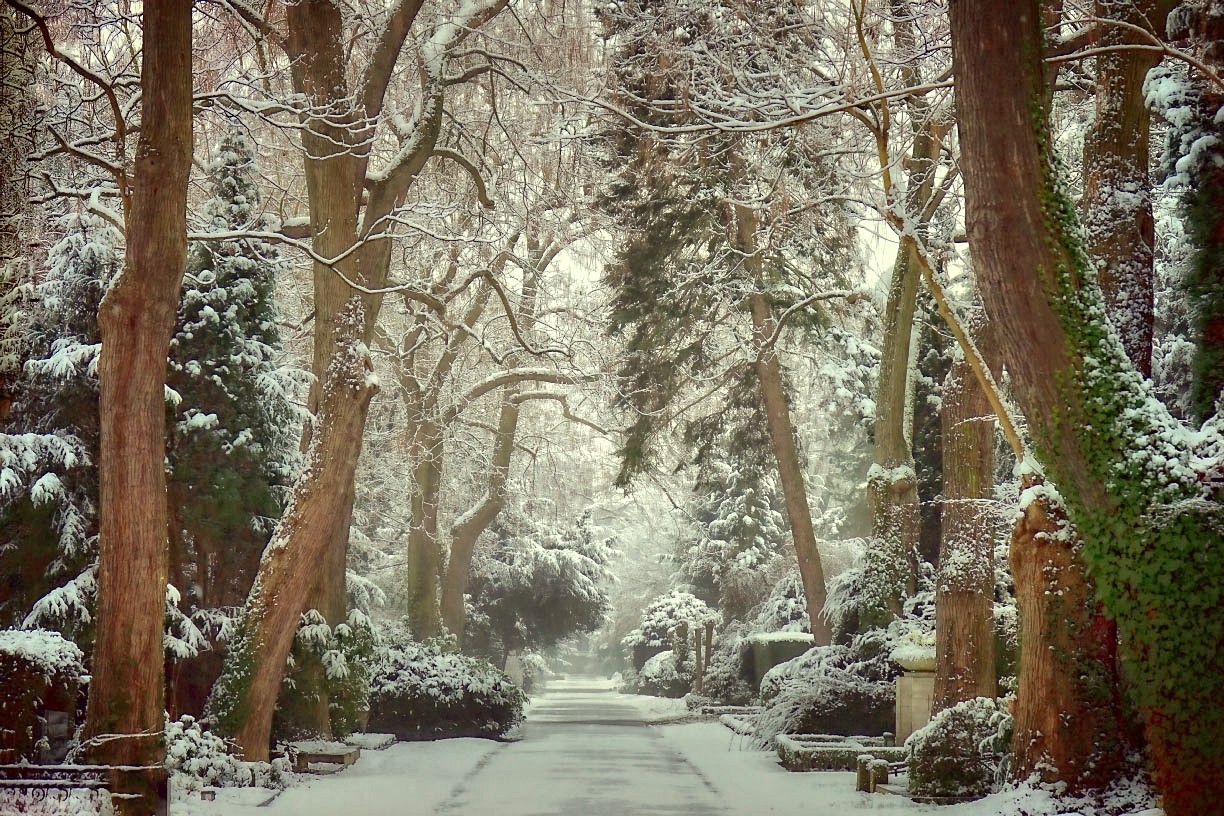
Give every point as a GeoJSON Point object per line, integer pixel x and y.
{"type": "Point", "coordinates": [583, 754]}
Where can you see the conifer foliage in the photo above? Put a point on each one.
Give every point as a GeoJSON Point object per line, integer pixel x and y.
{"type": "Point", "coordinates": [230, 438]}
{"type": "Point", "coordinates": [48, 486]}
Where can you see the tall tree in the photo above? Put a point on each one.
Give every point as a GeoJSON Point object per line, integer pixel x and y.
{"type": "Point", "coordinates": [17, 123]}
{"type": "Point", "coordinates": [126, 714]}
{"type": "Point", "coordinates": [230, 446]}
{"type": "Point", "coordinates": [1140, 490]}
{"type": "Point", "coordinates": [713, 261]}
{"type": "Point", "coordinates": [354, 202]}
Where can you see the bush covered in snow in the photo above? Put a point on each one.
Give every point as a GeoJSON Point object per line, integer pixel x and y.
{"type": "Point", "coordinates": [420, 692]}
{"type": "Point", "coordinates": [666, 675]}
{"type": "Point", "coordinates": [344, 653]}
{"type": "Point", "coordinates": [785, 609]}
{"type": "Point", "coordinates": [39, 672]}
{"type": "Point", "coordinates": [831, 690]}
{"type": "Point", "coordinates": [196, 758]}
{"type": "Point", "coordinates": [959, 751]}
{"type": "Point", "coordinates": [728, 674]}
{"type": "Point", "coordinates": [660, 621]}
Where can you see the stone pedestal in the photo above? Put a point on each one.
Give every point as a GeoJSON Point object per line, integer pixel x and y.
{"type": "Point", "coordinates": [914, 692]}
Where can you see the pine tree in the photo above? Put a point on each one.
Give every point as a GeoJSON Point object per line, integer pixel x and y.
{"type": "Point", "coordinates": [743, 536]}
{"type": "Point", "coordinates": [231, 425]}
{"type": "Point", "coordinates": [48, 486]}
{"type": "Point", "coordinates": [231, 431]}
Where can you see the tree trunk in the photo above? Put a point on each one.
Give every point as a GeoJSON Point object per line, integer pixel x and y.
{"type": "Point", "coordinates": [467, 531]}
{"type": "Point", "coordinates": [892, 483]}
{"type": "Point", "coordinates": [1069, 723]}
{"type": "Point", "coordinates": [790, 470]}
{"type": "Point", "coordinates": [1146, 520]}
{"type": "Point", "coordinates": [244, 698]}
{"type": "Point", "coordinates": [1117, 203]}
{"type": "Point", "coordinates": [424, 548]}
{"type": "Point", "coordinates": [782, 431]}
{"type": "Point", "coordinates": [124, 721]}
{"type": "Point", "coordinates": [964, 588]}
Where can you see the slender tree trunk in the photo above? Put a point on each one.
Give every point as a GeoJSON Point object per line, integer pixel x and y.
{"type": "Point", "coordinates": [782, 431]}
{"type": "Point", "coordinates": [467, 530]}
{"type": "Point", "coordinates": [124, 720]}
{"type": "Point", "coordinates": [964, 589]}
{"type": "Point", "coordinates": [790, 470]}
{"type": "Point", "coordinates": [244, 698]}
{"type": "Point", "coordinates": [424, 547]}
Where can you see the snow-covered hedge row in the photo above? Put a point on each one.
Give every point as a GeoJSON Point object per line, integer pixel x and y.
{"type": "Point", "coordinates": [420, 692]}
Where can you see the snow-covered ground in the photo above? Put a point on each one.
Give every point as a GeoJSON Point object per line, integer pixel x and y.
{"type": "Point", "coordinates": [583, 747]}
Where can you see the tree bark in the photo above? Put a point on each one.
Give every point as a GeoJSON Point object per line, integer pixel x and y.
{"type": "Point", "coordinates": [1117, 203]}
{"type": "Point", "coordinates": [424, 548]}
{"type": "Point", "coordinates": [243, 700]}
{"type": "Point", "coordinates": [466, 532]}
{"type": "Point", "coordinates": [964, 589]}
{"type": "Point", "coordinates": [892, 483]}
{"type": "Point", "coordinates": [125, 713]}
{"type": "Point", "coordinates": [1145, 526]}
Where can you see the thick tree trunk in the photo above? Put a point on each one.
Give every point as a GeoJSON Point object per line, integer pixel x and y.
{"type": "Point", "coordinates": [1117, 202]}
{"type": "Point", "coordinates": [964, 590]}
{"type": "Point", "coordinates": [1146, 521]}
{"type": "Point", "coordinates": [243, 700]}
{"type": "Point", "coordinates": [1069, 722]}
{"type": "Point", "coordinates": [467, 530]}
{"type": "Point", "coordinates": [892, 483]}
{"type": "Point", "coordinates": [125, 715]}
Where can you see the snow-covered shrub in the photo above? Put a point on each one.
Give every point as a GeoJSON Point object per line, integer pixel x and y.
{"type": "Point", "coordinates": [197, 758]}
{"type": "Point", "coordinates": [344, 653]}
{"type": "Point", "coordinates": [785, 609]}
{"type": "Point", "coordinates": [535, 671]}
{"type": "Point", "coordinates": [666, 676]}
{"type": "Point", "coordinates": [194, 752]}
{"type": "Point", "coordinates": [419, 692]}
{"type": "Point", "coordinates": [728, 674]}
{"type": "Point", "coordinates": [831, 690]}
{"type": "Point", "coordinates": [39, 672]}
{"type": "Point", "coordinates": [660, 622]}
{"type": "Point", "coordinates": [959, 751]}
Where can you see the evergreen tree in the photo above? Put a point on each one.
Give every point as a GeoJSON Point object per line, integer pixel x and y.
{"type": "Point", "coordinates": [48, 486]}
{"type": "Point", "coordinates": [742, 540]}
{"type": "Point", "coordinates": [230, 449]}
{"type": "Point", "coordinates": [534, 587]}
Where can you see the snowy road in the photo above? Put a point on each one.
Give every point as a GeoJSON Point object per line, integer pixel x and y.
{"type": "Point", "coordinates": [589, 752]}
{"type": "Point", "coordinates": [584, 751]}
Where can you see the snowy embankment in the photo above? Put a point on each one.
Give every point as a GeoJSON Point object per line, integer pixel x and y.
{"type": "Point", "coordinates": [424, 778]}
